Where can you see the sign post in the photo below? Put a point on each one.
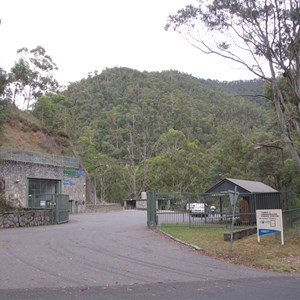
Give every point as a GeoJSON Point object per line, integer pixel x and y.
{"type": "Point", "coordinates": [233, 196]}
{"type": "Point", "coordinates": [269, 221]}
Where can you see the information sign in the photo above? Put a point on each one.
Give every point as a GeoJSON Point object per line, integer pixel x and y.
{"type": "Point", "coordinates": [269, 221]}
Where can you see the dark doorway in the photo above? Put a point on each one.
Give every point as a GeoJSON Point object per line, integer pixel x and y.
{"type": "Point", "coordinates": [42, 191]}
{"type": "Point", "coordinates": [244, 210]}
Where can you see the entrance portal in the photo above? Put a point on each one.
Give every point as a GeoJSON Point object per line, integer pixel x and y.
{"type": "Point", "coordinates": [42, 191]}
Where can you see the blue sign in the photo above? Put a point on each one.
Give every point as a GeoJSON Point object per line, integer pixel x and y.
{"type": "Point", "coordinates": [266, 231]}
{"type": "Point", "coordinates": [68, 182]}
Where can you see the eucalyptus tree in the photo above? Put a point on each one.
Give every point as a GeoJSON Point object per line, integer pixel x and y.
{"type": "Point", "coordinates": [3, 82]}
{"type": "Point", "coordinates": [31, 76]}
{"type": "Point", "coordinates": [5, 113]}
{"type": "Point", "coordinates": [179, 165]}
{"type": "Point", "coordinates": [53, 113]}
{"type": "Point", "coordinates": [261, 35]}
{"type": "Point", "coordinates": [106, 172]}
{"type": "Point", "coordinates": [4, 105]}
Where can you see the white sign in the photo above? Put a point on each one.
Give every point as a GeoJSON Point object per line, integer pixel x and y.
{"type": "Point", "coordinates": [42, 203]}
{"type": "Point", "coordinates": [233, 196]}
{"type": "Point", "coordinates": [269, 221]}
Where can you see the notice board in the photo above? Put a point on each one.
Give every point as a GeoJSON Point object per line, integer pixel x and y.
{"type": "Point", "coordinates": [269, 221]}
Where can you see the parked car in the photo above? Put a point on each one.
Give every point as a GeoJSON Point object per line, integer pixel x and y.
{"type": "Point", "coordinates": [197, 209]}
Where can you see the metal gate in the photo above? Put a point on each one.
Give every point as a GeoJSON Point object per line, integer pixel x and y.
{"type": "Point", "coordinates": [58, 203]}
{"type": "Point", "coordinates": [168, 208]}
{"type": "Point", "coordinates": [151, 209]}
{"type": "Point", "coordinates": [61, 209]}
{"type": "Point", "coordinates": [177, 208]}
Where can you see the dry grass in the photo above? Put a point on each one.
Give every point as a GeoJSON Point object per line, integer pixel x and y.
{"type": "Point", "coordinates": [24, 132]}
{"type": "Point", "coordinates": [268, 254]}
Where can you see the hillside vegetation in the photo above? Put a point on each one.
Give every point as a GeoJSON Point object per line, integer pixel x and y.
{"type": "Point", "coordinates": [22, 131]}
{"type": "Point", "coordinates": [127, 104]}
{"type": "Point", "coordinates": [165, 131]}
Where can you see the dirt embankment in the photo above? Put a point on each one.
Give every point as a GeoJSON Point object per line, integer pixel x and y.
{"type": "Point", "coordinates": [22, 132]}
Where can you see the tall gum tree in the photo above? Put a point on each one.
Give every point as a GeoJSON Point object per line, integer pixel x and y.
{"type": "Point", "coordinates": [261, 35]}
{"type": "Point", "coordinates": [32, 76]}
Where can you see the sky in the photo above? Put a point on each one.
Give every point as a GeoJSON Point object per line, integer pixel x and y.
{"type": "Point", "coordinates": [92, 35]}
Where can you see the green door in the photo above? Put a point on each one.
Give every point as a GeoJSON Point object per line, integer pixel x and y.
{"type": "Point", "coordinates": [151, 209]}
{"type": "Point", "coordinates": [61, 209]}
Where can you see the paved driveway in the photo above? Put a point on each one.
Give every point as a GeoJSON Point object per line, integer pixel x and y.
{"type": "Point", "coordinates": [108, 250]}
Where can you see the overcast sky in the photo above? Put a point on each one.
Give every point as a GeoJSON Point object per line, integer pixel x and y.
{"type": "Point", "coordinates": [83, 36]}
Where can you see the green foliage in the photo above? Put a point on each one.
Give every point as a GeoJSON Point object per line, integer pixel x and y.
{"type": "Point", "coordinates": [269, 32]}
{"type": "Point", "coordinates": [229, 156]}
{"type": "Point", "coordinates": [121, 105]}
{"type": "Point", "coordinates": [53, 113]}
{"type": "Point", "coordinates": [179, 166]}
{"type": "Point", "coordinates": [116, 184]}
{"type": "Point", "coordinates": [3, 81]}
{"type": "Point", "coordinates": [109, 174]}
{"type": "Point", "coordinates": [161, 126]}
{"type": "Point", "coordinates": [31, 76]}
{"type": "Point", "coordinates": [165, 131]}
{"type": "Point", "coordinates": [290, 108]}
{"type": "Point", "coordinates": [253, 90]}
{"type": "Point", "coordinates": [5, 112]}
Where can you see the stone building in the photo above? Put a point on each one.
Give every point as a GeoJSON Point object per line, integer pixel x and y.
{"type": "Point", "coordinates": [138, 203]}
{"type": "Point", "coordinates": [32, 179]}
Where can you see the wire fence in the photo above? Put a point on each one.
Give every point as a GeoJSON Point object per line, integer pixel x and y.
{"type": "Point", "coordinates": [175, 208]}
{"type": "Point", "coordinates": [39, 158]}
{"type": "Point", "coordinates": [215, 220]}
{"type": "Point", "coordinates": [291, 218]}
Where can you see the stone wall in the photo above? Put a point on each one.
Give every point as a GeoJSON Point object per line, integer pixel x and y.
{"type": "Point", "coordinates": [239, 234]}
{"type": "Point", "coordinates": [16, 175]}
{"type": "Point", "coordinates": [135, 204]}
{"type": "Point", "coordinates": [26, 218]}
{"type": "Point", "coordinates": [141, 204]}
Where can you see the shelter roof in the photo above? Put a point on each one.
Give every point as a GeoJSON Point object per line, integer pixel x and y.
{"type": "Point", "coordinates": [247, 185]}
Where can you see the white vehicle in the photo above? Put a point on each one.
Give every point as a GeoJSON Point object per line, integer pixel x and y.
{"type": "Point", "coordinates": [197, 209]}
{"type": "Point", "coordinates": [213, 210]}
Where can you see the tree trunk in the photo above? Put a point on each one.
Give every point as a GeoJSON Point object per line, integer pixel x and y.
{"type": "Point", "coordinates": [278, 100]}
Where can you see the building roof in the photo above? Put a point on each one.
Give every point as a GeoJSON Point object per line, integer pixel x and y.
{"type": "Point", "coordinates": [253, 186]}
{"type": "Point", "coordinates": [247, 185]}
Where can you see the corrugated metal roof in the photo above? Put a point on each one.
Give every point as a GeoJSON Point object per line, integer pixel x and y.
{"type": "Point", "coordinates": [253, 186]}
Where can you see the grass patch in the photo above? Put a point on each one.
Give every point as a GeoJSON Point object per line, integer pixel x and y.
{"type": "Point", "coordinates": [268, 254]}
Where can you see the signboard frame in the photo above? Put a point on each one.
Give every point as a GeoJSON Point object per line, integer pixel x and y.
{"type": "Point", "coordinates": [269, 221]}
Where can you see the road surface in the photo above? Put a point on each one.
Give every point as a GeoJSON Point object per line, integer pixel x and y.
{"type": "Point", "coordinates": [115, 256]}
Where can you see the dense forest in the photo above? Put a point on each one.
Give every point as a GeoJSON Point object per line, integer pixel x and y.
{"type": "Point", "coordinates": [167, 131]}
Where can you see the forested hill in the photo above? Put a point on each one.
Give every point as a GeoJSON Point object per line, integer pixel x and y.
{"type": "Point", "coordinates": [252, 90]}
{"type": "Point", "coordinates": [160, 130]}
{"type": "Point", "coordinates": [120, 105]}
{"type": "Point", "coordinates": [166, 131]}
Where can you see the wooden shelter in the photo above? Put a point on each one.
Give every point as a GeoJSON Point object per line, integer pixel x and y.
{"type": "Point", "coordinates": [253, 195]}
